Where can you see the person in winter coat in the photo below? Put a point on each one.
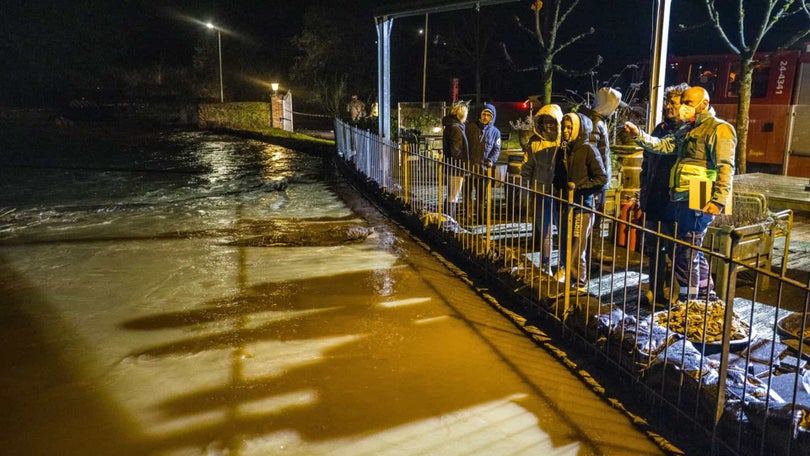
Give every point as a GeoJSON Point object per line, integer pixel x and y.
{"type": "Point", "coordinates": [607, 102]}
{"type": "Point", "coordinates": [579, 165]}
{"type": "Point", "coordinates": [356, 108]}
{"type": "Point", "coordinates": [705, 147]}
{"type": "Point", "coordinates": [653, 198]}
{"type": "Point", "coordinates": [538, 174]}
{"type": "Point", "coordinates": [484, 140]}
{"type": "Point", "coordinates": [456, 154]}
{"type": "Point", "coordinates": [454, 138]}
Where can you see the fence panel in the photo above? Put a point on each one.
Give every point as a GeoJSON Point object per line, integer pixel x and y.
{"type": "Point", "coordinates": [732, 366]}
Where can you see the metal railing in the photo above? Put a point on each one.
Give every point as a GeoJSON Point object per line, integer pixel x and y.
{"type": "Point", "coordinates": [736, 372]}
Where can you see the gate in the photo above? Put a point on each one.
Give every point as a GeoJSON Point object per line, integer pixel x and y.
{"type": "Point", "coordinates": [287, 112]}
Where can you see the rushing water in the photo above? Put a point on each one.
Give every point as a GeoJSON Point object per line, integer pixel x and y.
{"type": "Point", "coordinates": [125, 183]}
{"type": "Point", "coordinates": [132, 323]}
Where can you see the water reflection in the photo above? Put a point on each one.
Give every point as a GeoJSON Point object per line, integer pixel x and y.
{"type": "Point", "coordinates": [150, 329]}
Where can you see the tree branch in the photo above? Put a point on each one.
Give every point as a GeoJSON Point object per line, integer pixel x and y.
{"type": "Point", "coordinates": [795, 38]}
{"type": "Point", "coordinates": [524, 28]}
{"type": "Point", "coordinates": [715, 19]}
{"type": "Point", "coordinates": [538, 30]}
{"type": "Point", "coordinates": [511, 62]}
{"type": "Point", "coordinates": [767, 23]}
{"type": "Point", "coordinates": [577, 74]}
{"type": "Point", "coordinates": [572, 41]}
{"type": "Point", "coordinates": [568, 11]}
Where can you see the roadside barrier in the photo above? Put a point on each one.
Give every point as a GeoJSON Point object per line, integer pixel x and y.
{"type": "Point", "coordinates": [732, 366]}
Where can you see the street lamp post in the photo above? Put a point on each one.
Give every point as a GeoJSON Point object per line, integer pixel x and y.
{"type": "Point", "coordinates": [273, 109]}
{"type": "Point", "coordinates": [219, 48]}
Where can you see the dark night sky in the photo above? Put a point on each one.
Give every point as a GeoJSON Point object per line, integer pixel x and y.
{"type": "Point", "coordinates": [141, 32]}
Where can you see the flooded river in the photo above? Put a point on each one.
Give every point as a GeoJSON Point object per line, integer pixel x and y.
{"type": "Point", "coordinates": [162, 294]}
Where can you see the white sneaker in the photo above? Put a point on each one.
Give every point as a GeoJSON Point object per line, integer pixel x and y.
{"type": "Point", "coordinates": [559, 276]}
{"type": "Point", "coordinates": [573, 290]}
{"type": "Point", "coordinates": [580, 289]}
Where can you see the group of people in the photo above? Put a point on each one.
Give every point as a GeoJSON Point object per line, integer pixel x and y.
{"type": "Point", "coordinates": [477, 147]}
{"type": "Point", "coordinates": [569, 154]}
{"type": "Point", "coordinates": [356, 108]}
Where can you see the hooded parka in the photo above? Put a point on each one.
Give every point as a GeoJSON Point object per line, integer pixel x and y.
{"type": "Point", "coordinates": [580, 162]}
{"type": "Point", "coordinates": [484, 140]}
{"type": "Point", "coordinates": [541, 152]}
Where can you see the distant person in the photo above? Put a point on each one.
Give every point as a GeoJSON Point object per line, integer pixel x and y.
{"type": "Point", "coordinates": [375, 108]}
{"type": "Point", "coordinates": [654, 198]}
{"type": "Point", "coordinates": [607, 102]}
{"type": "Point", "coordinates": [580, 165]}
{"type": "Point", "coordinates": [538, 173]}
{"type": "Point", "coordinates": [705, 147]}
{"type": "Point", "coordinates": [456, 153]}
{"type": "Point", "coordinates": [356, 108]}
{"type": "Point", "coordinates": [484, 141]}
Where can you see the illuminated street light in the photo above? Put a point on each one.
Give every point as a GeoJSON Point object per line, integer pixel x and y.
{"type": "Point", "coordinates": [274, 86]}
{"type": "Point", "coordinates": [219, 47]}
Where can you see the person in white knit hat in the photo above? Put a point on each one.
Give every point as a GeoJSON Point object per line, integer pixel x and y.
{"type": "Point", "coordinates": [608, 101]}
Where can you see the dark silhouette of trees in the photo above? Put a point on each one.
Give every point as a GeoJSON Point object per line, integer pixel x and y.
{"type": "Point", "coordinates": [467, 47]}
{"type": "Point", "coordinates": [337, 53]}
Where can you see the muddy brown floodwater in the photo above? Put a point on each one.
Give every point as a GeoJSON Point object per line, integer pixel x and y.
{"type": "Point", "coordinates": [123, 337]}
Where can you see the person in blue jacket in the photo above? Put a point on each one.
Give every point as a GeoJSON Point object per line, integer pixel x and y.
{"type": "Point", "coordinates": [484, 140]}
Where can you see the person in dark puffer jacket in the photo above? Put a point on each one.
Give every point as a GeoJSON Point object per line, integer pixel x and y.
{"type": "Point", "coordinates": [456, 154]}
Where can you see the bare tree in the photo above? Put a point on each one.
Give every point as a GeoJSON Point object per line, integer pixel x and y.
{"type": "Point", "coordinates": [467, 46]}
{"type": "Point", "coordinates": [742, 30]}
{"type": "Point", "coordinates": [548, 22]}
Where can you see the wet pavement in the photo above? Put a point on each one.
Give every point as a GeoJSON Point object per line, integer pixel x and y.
{"type": "Point", "coordinates": [155, 338]}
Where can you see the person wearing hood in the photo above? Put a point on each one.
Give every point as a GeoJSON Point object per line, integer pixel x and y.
{"type": "Point", "coordinates": [456, 152]}
{"type": "Point", "coordinates": [578, 166]}
{"type": "Point", "coordinates": [653, 197]}
{"type": "Point", "coordinates": [484, 141]}
{"type": "Point", "coordinates": [608, 101]}
{"type": "Point", "coordinates": [538, 174]}
{"type": "Point", "coordinates": [705, 147]}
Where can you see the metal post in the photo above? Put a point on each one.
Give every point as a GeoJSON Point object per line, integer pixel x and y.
{"type": "Point", "coordinates": [424, 63]}
{"type": "Point", "coordinates": [440, 193]}
{"type": "Point", "coordinates": [488, 202]}
{"type": "Point", "coordinates": [406, 175]}
{"type": "Point", "coordinates": [731, 282]}
{"type": "Point", "coordinates": [659, 62]}
{"type": "Point", "coordinates": [219, 46]}
{"type": "Point", "coordinates": [568, 234]}
{"type": "Point", "coordinates": [384, 25]}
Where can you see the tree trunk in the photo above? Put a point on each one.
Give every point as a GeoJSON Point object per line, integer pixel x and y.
{"type": "Point", "coordinates": [548, 74]}
{"type": "Point", "coordinates": [743, 106]}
